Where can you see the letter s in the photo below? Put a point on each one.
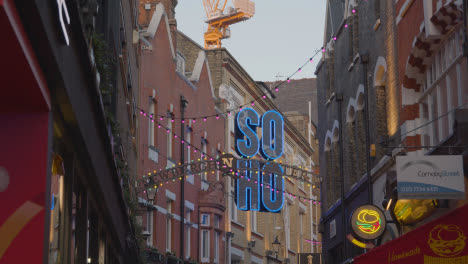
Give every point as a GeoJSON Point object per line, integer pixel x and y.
{"type": "Point", "coordinates": [246, 122]}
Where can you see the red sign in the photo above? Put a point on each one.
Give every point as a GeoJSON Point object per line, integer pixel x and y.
{"type": "Point", "coordinates": [440, 241]}
{"type": "Point", "coordinates": [24, 139]}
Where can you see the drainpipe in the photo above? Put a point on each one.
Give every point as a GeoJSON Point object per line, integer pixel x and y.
{"type": "Point", "coordinates": [364, 62]}
{"type": "Point", "coordinates": [183, 104]}
{"type": "Point", "coordinates": [198, 235]}
{"type": "Point", "coordinates": [339, 100]}
{"type": "Point", "coordinates": [465, 22]}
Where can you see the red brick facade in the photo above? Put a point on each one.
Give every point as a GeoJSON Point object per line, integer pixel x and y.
{"type": "Point", "coordinates": [163, 86]}
{"type": "Point", "coordinates": [429, 58]}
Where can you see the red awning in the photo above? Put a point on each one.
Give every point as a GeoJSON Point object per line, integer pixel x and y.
{"type": "Point", "coordinates": [440, 241]}
{"type": "Point", "coordinates": [23, 86]}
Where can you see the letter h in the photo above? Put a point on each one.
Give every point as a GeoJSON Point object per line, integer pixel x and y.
{"type": "Point", "coordinates": [248, 187]}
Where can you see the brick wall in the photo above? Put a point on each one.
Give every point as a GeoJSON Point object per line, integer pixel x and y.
{"type": "Point", "coordinates": [158, 78]}
{"type": "Point", "coordinates": [370, 30]}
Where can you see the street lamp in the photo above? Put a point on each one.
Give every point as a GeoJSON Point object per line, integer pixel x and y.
{"type": "Point", "coordinates": [276, 246]}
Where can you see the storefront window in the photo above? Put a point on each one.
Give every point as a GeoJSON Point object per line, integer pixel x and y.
{"type": "Point", "coordinates": [57, 208]}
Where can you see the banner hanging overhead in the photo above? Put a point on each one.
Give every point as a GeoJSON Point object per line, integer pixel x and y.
{"type": "Point", "coordinates": [430, 177]}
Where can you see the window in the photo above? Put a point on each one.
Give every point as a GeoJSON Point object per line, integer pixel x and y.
{"type": "Point", "coordinates": [443, 90]}
{"type": "Point", "coordinates": [253, 221]}
{"type": "Point", "coordinates": [301, 231]}
{"type": "Point", "coordinates": [152, 108]}
{"type": "Point", "coordinates": [204, 144]}
{"type": "Point", "coordinates": [149, 227]}
{"type": "Point", "coordinates": [169, 226]}
{"type": "Point", "coordinates": [180, 64]}
{"type": "Point", "coordinates": [188, 139]}
{"type": "Point", "coordinates": [286, 225]}
{"type": "Point", "coordinates": [218, 154]}
{"type": "Point", "coordinates": [205, 246]}
{"type": "Point", "coordinates": [216, 247]}
{"type": "Point", "coordinates": [170, 117]}
{"type": "Point", "coordinates": [216, 221]}
{"type": "Point", "coordinates": [57, 208]}
{"type": "Point", "coordinates": [205, 220]}
{"type": "Point", "coordinates": [233, 202]}
{"type": "Point", "coordinates": [187, 234]}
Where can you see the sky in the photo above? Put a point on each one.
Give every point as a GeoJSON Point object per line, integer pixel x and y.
{"type": "Point", "coordinates": [280, 37]}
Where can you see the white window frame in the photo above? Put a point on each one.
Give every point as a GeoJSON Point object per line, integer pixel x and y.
{"type": "Point", "coordinates": [232, 204]}
{"type": "Point", "coordinates": [169, 227]}
{"type": "Point", "coordinates": [207, 220]}
{"type": "Point", "coordinates": [205, 233]}
{"type": "Point", "coordinates": [301, 230]}
{"type": "Point", "coordinates": [190, 178]}
{"type": "Point", "coordinates": [449, 53]}
{"type": "Point", "coordinates": [180, 65]}
{"type": "Point", "coordinates": [287, 229]}
{"type": "Point", "coordinates": [204, 150]}
{"type": "Point", "coordinates": [216, 247]}
{"type": "Point", "coordinates": [217, 221]}
{"type": "Point", "coordinates": [253, 221]}
{"type": "Point", "coordinates": [150, 123]}
{"type": "Point", "coordinates": [149, 228]}
{"type": "Point", "coordinates": [187, 235]}
{"type": "Point", "coordinates": [169, 135]}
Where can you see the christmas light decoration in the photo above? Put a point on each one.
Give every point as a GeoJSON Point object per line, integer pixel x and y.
{"type": "Point", "coordinates": [142, 112]}
{"type": "Point", "coordinates": [310, 60]}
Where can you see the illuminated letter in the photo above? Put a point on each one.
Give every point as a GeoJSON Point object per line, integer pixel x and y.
{"type": "Point", "coordinates": [248, 187]}
{"type": "Point", "coordinates": [62, 8]}
{"type": "Point", "coordinates": [273, 186]}
{"type": "Point", "coordinates": [272, 135]}
{"type": "Point", "coordinates": [246, 122]}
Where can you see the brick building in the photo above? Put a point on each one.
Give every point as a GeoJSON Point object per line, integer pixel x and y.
{"type": "Point", "coordinates": [298, 95]}
{"type": "Point", "coordinates": [358, 66]}
{"type": "Point", "coordinates": [167, 75]}
{"type": "Point", "coordinates": [63, 152]}
{"type": "Point", "coordinates": [249, 234]}
{"type": "Point", "coordinates": [433, 84]}
{"type": "Point", "coordinates": [406, 60]}
{"type": "Point", "coordinates": [297, 100]}
{"type": "Point", "coordinates": [432, 102]}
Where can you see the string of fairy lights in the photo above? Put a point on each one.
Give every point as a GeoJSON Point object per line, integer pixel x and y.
{"type": "Point", "coordinates": [235, 174]}
{"type": "Point", "coordinates": [276, 88]}
{"type": "Point", "coordinates": [204, 118]}
{"type": "Point", "coordinates": [231, 111]}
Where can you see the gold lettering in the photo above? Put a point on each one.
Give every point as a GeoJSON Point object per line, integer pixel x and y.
{"type": "Point", "coordinates": [228, 162]}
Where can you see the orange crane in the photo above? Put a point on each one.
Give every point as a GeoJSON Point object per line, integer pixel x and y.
{"type": "Point", "coordinates": [219, 20]}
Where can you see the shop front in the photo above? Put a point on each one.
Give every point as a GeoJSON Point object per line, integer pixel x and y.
{"type": "Point", "coordinates": [440, 241]}
{"type": "Point", "coordinates": [60, 191]}
{"type": "Point", "coordinates": [24, 139]}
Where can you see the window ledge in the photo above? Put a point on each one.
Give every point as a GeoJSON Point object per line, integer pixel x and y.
{"type": "Point", "coordinates": [377, 24]}
{"type": "Point", "coordinates": [257, 234]}
{"type": "Point", "coordinates": [301, 188]}
{"type": "Point", "coordinates": [153, 154]}
{"type": "Point", "coordinates": [170, 163]}
{"type": "Point", "coordinates": [237, 223]}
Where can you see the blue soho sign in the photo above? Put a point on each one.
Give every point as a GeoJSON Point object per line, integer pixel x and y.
{"type": "Point", "coordinates": [258, 191]}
